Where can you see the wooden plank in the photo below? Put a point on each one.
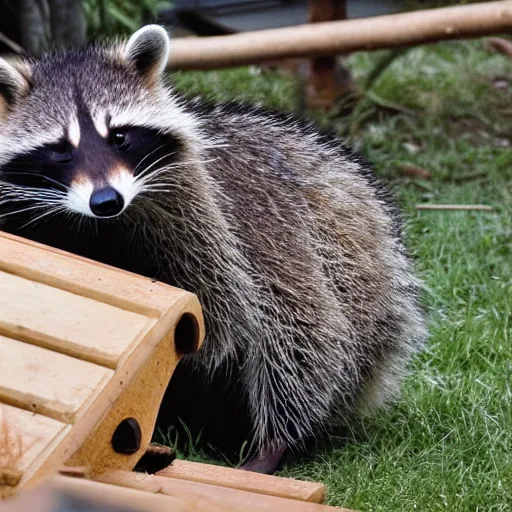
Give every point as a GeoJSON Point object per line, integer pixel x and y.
{"type": "Point", "coordinates": [342, 37]}
{"type": "Point", "coordinates": [134, 499]}
{"type": "Point", "coordinates": [24, 435]}
{"type": "Point", "coordinates": [245, 481]}
{"type": "Point", "coordinates": [46, 382]}
{"type": "Point", "coordinates": [85, 277]}
{"type": "Point", "coordinates": [216, 496]}
{"type": "Point", "coordinates": [66, 322]}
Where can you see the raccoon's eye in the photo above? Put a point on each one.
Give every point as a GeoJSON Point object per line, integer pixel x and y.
{"type": "Point", "coordinates": [119, 139]}
{"type": "Point", "coordinates": [61, 151]}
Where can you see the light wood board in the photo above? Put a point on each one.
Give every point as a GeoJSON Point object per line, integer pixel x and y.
{"type": "Point", "coordinates": [245, 481]}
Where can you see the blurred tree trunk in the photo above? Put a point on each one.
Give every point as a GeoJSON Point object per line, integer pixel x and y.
{"type": "Point", "coordinates": [67, 22]}
{"type": "Point", "coordinates": [34, 22]}
{"type": "Point", "coordinates": [39, 25]}
{"type": "Point", "coordinates": [9, 24]}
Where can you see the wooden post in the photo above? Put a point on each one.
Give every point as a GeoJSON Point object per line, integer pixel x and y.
{"type": "Point", "coordinates": [324, 84]}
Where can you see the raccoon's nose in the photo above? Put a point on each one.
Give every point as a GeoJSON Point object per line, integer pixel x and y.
{"type": "Point", "coordinates": [106, 202]}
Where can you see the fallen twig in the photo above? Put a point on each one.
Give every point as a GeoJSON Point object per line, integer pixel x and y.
{"type": "Point", "coordinates": [456, 207]}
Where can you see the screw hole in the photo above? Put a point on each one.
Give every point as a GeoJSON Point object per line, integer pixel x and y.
{"type": "Point", "coordinates": [186, 334]}
{"type": "Point", "coordinates": [127, 437]}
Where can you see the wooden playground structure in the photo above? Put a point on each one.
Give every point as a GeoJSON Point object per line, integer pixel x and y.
{"type": "Point", "coordinates": [87, 352]}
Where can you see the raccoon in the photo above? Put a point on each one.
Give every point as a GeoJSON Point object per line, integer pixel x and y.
{"type": "Point", "coordinates": [291, 244]}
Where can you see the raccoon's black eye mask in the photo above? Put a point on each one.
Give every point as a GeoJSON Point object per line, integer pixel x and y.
{"type": "Point", "coordinates": [137, 144]}
{"type": "Point", "coordinates": [54, 164]}
{"type": "Point", "coordinates": [47, 166]}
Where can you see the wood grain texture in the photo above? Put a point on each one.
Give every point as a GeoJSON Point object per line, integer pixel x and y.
{"type": "Point", "coordinates": [131, 498]}
{"type": "Point", "coordinates": [214, 496]}
{"type": "Point", "coordinates": [84, 277]}
{"type": "Point", "coordinates": [66, 322]}
{"type": "Point", "coordinates": [150, 370]}
{"type": "Point", "coordinates": [46, 382]}
{"type": "Point", "coordinates": [245, 481]}
{"type": "Point", "coordinates": [24, 435]}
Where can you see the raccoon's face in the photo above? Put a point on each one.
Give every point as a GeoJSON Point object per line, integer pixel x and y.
{"type": "Point", "coordinates": [89, 132]}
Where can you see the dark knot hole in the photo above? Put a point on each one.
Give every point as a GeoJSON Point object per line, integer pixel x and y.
{"type": "Point", "coordinates": [127, 437]}
{"type": "Point", "coordinates": [186, 334]}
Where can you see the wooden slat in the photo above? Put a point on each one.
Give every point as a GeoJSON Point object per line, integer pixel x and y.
{"type": "Point", "coordinates": [24, 435]}
{"type": "Point", "coordinates": [134, 499]}
{"type": "Point", "coordinates": [216, 496]}
{"type": "Point", "coordinates": [245, 481]}
{"type": "Point", "coordinates": [46, 382]}
{"type": "Point", "coordinates": [67, 322]}
{"type": "Point", "coordinates": [85, 277]}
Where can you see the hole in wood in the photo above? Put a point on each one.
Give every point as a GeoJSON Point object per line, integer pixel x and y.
{"type": "Point", "coordinates": [186, 334]}
{"type": "Point", "coordinates": [127, 437]}
{"type": "Point", "coordinates": [156, 458]}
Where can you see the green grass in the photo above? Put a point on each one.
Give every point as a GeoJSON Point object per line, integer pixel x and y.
{"type": "Point", "coordinates": [447, 445]}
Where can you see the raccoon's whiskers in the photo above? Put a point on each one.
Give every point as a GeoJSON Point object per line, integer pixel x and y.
{"type": "Point", "coordinates": [144, 177]}
{"type": "Point", "coordinates": [46, 199]}
{"type": "Point", "coordinates": [51, 211]}
{"type": "Point", "coordinates": [143, 173]}
{"type": "Point", "coordinates": [138, 166]}
{"type": "Point", "coordinates": [20, 193]}
{"type": "Point", "coordinates": [23, 210]}
{"type": "Point", "coordinates": [51, 180]}
{"type": "Point", "coordinates": [146, 182]}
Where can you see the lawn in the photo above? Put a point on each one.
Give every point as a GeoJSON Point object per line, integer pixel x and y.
{"type": "Point", "coordinates": [447, 444]}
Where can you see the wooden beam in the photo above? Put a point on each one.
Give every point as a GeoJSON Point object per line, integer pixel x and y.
{"type": "Point", "coordinates": [341, 37]}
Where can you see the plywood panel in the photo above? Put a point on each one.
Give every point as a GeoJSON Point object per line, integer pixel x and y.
{"type": "Point", "coordinates": [24, 435]}
{"type": "Point", "coordinates": [47, 382]}
{"type": "Point", "coordinates": [67, 322]}
{"type": "Point", "coordinates": [85, 277]}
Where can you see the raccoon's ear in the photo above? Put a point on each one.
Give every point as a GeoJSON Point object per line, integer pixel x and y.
{"type": "Point", "coordinates": [14, 81]}
{"type": "Point", "coordinates": [14, 84]}
{"type": "Point", "coordinates": [148, 51]}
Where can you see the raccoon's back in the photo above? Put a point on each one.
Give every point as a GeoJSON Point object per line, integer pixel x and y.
{"type": "Point", "coordinates": [316, 224]}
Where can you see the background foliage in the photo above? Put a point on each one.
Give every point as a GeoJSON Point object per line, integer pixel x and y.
{"type": "Point", "coordinates": [118, 17]}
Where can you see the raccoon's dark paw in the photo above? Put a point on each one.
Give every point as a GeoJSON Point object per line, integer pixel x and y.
{"type": "Point", "coordinates": [266, 462]}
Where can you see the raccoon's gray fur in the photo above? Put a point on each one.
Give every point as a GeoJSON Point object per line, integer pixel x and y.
{"type": "Point", "coordinates": [293, 248]}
